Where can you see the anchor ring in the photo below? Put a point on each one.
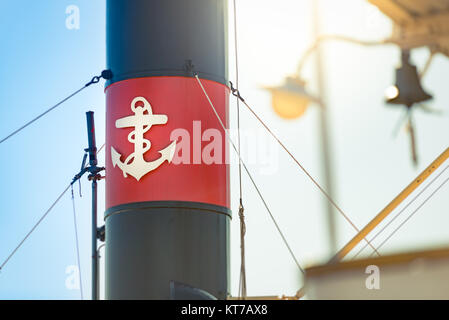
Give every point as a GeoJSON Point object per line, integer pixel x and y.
{"type": "Point", "coordinates": [146, 104]}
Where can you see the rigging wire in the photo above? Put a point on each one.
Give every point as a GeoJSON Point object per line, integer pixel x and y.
{"type": "Point", "coordinates": [106, 74]}
{"type": "Point", "coordinates": [250, 176]}
{"type": "Point", "coordinates": [98, 151]}
{"type": "Point", "coordinates": [242, 281]}
{"type": "Point", "coordinates": [237, 94]}
{"type": "Point", "coordinates": [77, 244]}
{"type": "Point", "coordinates": [38, 222]}
{"type": "Point", "coordinates": [401, 211]}
{"type": "Point", "coordinates": [413, 213]}
{"type": "Point", "coordinates": [34, 227]}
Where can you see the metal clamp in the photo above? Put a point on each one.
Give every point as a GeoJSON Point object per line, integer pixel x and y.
{"type": "Point", "coordinates": [236, 92]}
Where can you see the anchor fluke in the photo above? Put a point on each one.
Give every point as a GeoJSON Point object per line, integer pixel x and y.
{"type": "Point", "coordinates": [142, 120]}
{"type": "Point", "coordinates": [168, 152]}
{"type": "Point", "coordinates": [115, 157]}
{"type": "Point", "coordinates": [138, 168]}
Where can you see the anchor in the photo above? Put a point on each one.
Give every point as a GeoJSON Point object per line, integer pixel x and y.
{"type": "Point", "coordinates": [135, 164]}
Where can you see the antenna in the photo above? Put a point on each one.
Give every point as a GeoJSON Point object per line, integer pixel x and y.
{"type": "Point", "coordinates": [92, 150]}
{"type": "Point", "coordinates": [94, 176]}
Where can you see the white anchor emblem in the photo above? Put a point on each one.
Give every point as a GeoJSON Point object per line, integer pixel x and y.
{"type": "Point", "coordinates": [135, 164]}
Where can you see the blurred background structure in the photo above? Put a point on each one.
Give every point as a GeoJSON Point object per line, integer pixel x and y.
{"type": "Point", "coordinates": [416, 24]}
{"type": "Point", "coordinates": [331, 112]}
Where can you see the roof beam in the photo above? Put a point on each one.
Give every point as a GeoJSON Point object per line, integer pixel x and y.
{"type": "Point", "coordinates": [393, 10]}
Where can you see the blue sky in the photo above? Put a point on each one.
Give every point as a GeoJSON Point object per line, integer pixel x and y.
{"type": "Point", "coordinates": [41, 61]}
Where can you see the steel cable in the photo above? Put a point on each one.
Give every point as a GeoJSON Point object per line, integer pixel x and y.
{"type": "Point", "coordinates": [250, 176]}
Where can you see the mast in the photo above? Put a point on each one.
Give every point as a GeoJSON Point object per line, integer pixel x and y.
{"type": "Point", "coordinates": [167, 210]}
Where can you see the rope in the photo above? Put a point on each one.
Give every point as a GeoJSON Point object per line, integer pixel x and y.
{"type": "Point", "coordinates": [401, 211]}
{"type": "Point", "coordinates": [242, 282]}
{"type": "Point", "coordinates": [106, 74]}
{"type": "Point", "coordinates": [250, 176]}
{"type": "Point", "coordinates": [237, 94]}
{"type": "Point", "coordinates": [411, 215]}
{"type": "Point", "coordinates": [34, 227]}
{"type": "Point", "coordinates": [77, 244]}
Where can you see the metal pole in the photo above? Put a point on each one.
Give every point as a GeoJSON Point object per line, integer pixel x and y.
{"type": "Point", "coordinates": [91, 139]}
{"type": "Point", "coordinates": [94, 242]}
{"type": "Point", "coordinates": [93, 169]}
{"type": "Point", "coordinates": [324, 133]}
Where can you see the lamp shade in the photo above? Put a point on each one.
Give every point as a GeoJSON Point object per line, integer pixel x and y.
{"type": "Point", "coordinates": [290, 100]}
